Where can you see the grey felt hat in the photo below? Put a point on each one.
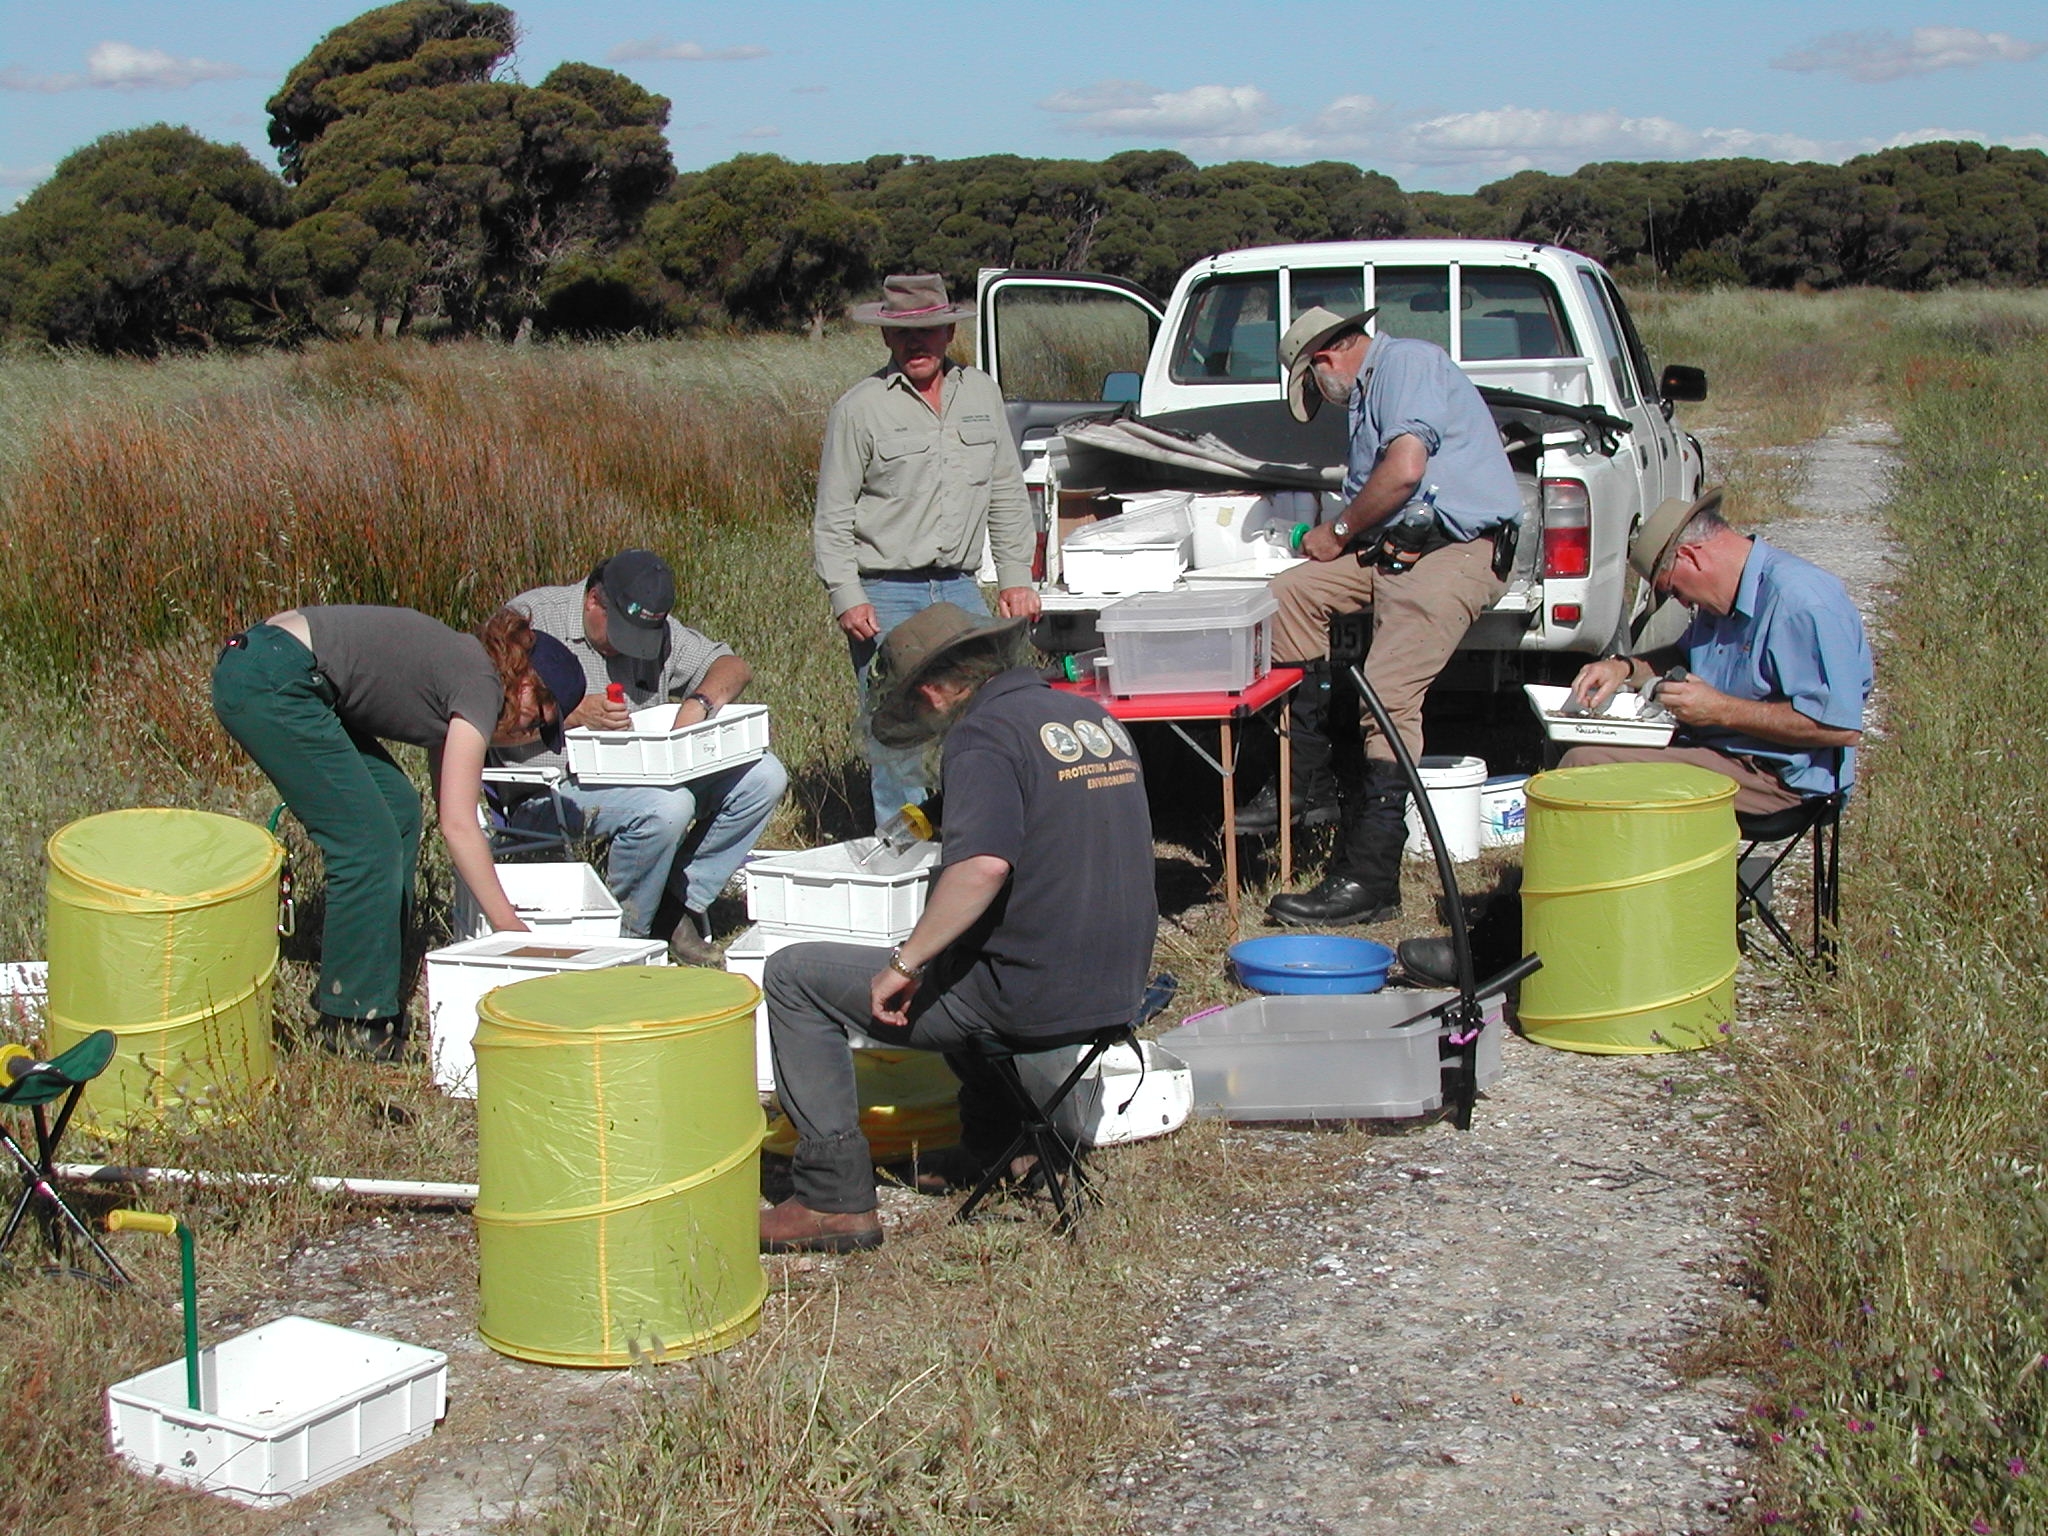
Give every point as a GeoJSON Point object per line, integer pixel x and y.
{"type": "Point", "coordinates": [1312, 331]}
{"type": "Point", "coordinates": [917, 300]}
{"type": "Point", "coordinates": [1660, 531]}
{"type": "Point", "coordinates": [915, 650]}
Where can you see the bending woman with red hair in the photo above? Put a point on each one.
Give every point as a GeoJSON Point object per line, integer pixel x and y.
{"type": "Point", "coordinates": [312, 694]}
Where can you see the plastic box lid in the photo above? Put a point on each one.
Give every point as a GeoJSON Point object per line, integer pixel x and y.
{"type": "Point", "coordinates": [1159, 612]}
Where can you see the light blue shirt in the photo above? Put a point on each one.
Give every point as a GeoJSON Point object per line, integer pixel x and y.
{"type": "Point", "coordinates": [1411, 387]}
{"type": "Point", "coordinates": [1793, 636]}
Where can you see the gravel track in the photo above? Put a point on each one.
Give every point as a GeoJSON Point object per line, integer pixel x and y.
{"type": "Point", "coordinates": [1475, 1333]}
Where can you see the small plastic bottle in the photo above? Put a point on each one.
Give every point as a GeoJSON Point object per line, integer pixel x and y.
{"type": "Point", "coordinates": [902, 832]}
{"type": "Point", "coordinates": [615, 692]}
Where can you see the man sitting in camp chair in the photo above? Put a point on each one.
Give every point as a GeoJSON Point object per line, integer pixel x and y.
{"type": "Point", "coordinates": [1776, 672]}
{"type": "Point", "coordinates": [1039, 925]}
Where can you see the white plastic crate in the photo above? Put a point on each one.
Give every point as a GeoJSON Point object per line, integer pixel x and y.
{"type": "Point", "coordinates": [557, 900]}
{"type": "Point", "coordinates": [288, 1407]}
{"type": "Point", "coordinates": [747, 955]}
{"type": "Point", "coordinates": [459, 976]}
{"type": "Point", "coordinates": [1214, 641]}
{"type": "Point", "coordinates": [652, 753]}
{"type": "Point", "coordinates": [1120, 1099]}
{"type": "Point", "coordinates": [828, 894]}
{"type": "Point", "coordinates": [1142, 550]}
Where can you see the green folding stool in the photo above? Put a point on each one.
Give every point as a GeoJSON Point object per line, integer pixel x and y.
{"type": "Point", "coordinates": [26, 1083]}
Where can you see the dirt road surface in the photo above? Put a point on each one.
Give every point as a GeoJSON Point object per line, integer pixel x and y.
{"type": "Point", "coordinates": [1476, 1335]}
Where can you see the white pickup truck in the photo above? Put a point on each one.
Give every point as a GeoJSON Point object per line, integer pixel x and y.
{"type": "Point", "coordinates": [1585, 416]}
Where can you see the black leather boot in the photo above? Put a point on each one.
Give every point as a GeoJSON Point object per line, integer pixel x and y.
{"type": "Point", "coordinates": [1493, 928]}
{"type": "Point", "coordinates": [1313, 792]}
{"type": "Point", "coordinates": [1364, 883]}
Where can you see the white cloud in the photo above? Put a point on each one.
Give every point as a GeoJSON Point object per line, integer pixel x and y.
{"type": "Point", "coordinates": [1877, 56]}
{"type": "Point", "coordinates": [1965, 136]}
{"type": "Point", "coordinates": [1518, 138]}
{"type": "Point", "coordinates": [1127, 108]}
{"type": "Point", "coordinates": [688, 53]}
{"type": "Point", "coordinates": [125, 67]}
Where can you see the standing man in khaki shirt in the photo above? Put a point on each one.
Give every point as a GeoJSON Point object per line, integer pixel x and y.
{"type": "Point", "coordinates": [918, 468]}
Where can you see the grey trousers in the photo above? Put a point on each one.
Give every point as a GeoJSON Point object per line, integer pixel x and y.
{"type": "Point", "coordinates": [816, 993]}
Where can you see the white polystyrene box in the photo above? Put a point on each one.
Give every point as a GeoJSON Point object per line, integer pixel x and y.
{"type": "Point", "coordinates": [654, 753]}
{"type": "Point", "coordinates": [560, 900]}
{"type": "Point", "coordinates": [1122, 572]}
{"type": "Point", "coordinates": [747, 955]}
{"type": "Point", "coordinates": [829, 894]}
{"type": "Point", "coordinates": [1121, 1099]}
{"type": "Point", "coordinates": [459, 976]}
{"type": "Point", "coordinates": [288, 1407]}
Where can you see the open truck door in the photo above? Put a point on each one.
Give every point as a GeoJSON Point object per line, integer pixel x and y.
{"type": "Point", "coordinates": [1061, 345]}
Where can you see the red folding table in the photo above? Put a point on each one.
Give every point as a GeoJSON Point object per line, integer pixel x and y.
{"type": "Point", "coordinates": [1228, 710]}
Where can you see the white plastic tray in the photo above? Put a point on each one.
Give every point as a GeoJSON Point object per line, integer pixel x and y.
{"type": "Point", "coordinates": [288, 1407]}
{"type": "Point", "coordinates": [1117, 1101]}
{"type": "Point", "coordinates": [828, 894]}
{"type": "Point", "coordinates": [747, 955]}
{"type": "Point", "coordinates": [651, 753]}
{"type": "Point", "coordinates": [1619, 725]}
{"type": "Point", "coordinates": [558, 900]}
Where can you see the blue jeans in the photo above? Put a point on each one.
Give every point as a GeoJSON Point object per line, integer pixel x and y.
{"type": "Point", "coordinates": [897, 775]}
{"type": "Point", "coordinates": [687, 838]}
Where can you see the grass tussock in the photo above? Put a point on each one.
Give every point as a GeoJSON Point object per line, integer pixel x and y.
{"type": "Point", "coordinates": [1907, 1256]}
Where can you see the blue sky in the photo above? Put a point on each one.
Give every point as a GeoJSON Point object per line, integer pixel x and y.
{"type": "Point", "coordinates": [1444, 96]}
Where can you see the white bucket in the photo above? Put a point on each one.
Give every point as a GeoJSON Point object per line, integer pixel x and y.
{"type": "Point", "coordinates": [1503, 808]}
{"type": "Point", "coordinates": [1231, 529]}
{"type": "Point", "coordinates": [1454, 785]}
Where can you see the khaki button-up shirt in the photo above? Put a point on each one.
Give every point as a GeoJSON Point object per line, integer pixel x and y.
{"type": "Point", "coordinates": [901, 488]}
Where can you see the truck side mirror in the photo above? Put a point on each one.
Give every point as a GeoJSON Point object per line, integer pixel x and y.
{"type": "Point", "coordinates": [1117, 388]}
{"type": "Point", "coordinates": [1682, 383]}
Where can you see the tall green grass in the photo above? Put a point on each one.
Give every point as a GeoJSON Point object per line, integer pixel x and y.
{"type": "Point", "coordinates": [1905, 1148]}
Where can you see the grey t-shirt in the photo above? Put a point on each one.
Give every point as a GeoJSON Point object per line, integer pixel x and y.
{"type": "Point", "coordinates": [401, 675]}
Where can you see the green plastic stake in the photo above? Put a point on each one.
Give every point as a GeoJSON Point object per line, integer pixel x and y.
{"type": "Point", "coordinates": [151, 1221]}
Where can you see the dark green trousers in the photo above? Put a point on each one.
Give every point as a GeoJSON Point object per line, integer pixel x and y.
{"type": "Point", "coordinates": [351, 798]}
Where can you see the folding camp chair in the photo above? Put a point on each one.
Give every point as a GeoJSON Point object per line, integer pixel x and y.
{"type": "Point", "coordinates": [1817, 819]}
{"type": "Point", "coordinates": [1059, 1161]}
{"type": "Point", "coordinates": [35, 1086]}
{"type": "Point", "coordinates": [507, 785]}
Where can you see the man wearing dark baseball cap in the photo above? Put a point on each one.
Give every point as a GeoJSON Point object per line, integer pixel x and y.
{"type": "Point", "coordinates": [619, 625]}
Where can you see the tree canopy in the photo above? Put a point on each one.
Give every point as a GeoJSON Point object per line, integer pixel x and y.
{"type": "Point", "coordinates": [144, 240]}
{"type": "Point", "coordinates": [425, 184]}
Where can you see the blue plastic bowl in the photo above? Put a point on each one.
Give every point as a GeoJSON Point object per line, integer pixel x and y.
{"type": "Point", "coordinates": [1311, 962]}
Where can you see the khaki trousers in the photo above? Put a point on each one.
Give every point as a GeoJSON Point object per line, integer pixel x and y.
{"type": "Point", "coordinates": [1418, 618]}
{"type": "Point", "coordinates": [1757, 792]}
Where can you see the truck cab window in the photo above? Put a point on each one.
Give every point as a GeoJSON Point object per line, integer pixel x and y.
{"type": "Point", "coordinates": [1340, 290]}
{"type": "Point", "coordinates": [1232, 333]}
{"type": "Point", "coordinates": [1610, 338]}
{"type": "Point", "coordinates": [1507, 313]}
{"type": "Point", "coordinates": [1414, 301]}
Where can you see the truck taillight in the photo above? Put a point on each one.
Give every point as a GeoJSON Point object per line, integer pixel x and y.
{"type": "Point", "coordinates": [1567, 529]}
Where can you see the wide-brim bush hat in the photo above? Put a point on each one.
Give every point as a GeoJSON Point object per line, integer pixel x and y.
{"type": "Point", "coordinates": [1314, 330]}
{"type": "Point", "coordinates": [1659, 533]}
{"type": "Point", "coordinates": [917, 650]}
{"type": "Point", "coordinates": [918, 300]}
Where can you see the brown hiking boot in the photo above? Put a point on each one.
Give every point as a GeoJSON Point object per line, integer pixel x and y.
{"type": "Point", "coordinates": [793, 1227]}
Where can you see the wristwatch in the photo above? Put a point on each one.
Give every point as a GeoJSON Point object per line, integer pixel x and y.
{"type": "Point", "coordinates": [1341, 529]}
{"type": "Point", "coordinates": [710, 708]}
{"type": "Point", "coordinates": [907, 972]}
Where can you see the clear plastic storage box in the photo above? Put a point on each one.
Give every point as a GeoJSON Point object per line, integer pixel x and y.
{"type": "Point", "coordinates": [1218, 641]}
{"type": "Point", "coordinates": [829, 894]}
{"type": "Point", "coordinates": [652, 753]}
{"type": "Point", "coordinates": [747, 955]}
{"type": "Point", "coordinates": [1333, 1057]}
